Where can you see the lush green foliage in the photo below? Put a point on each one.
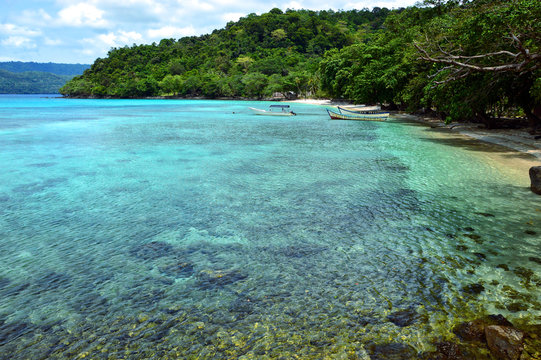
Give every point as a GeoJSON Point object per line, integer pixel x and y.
{"type": "Point", "coordinates": [31, 82]}
{"type": "Point", "coordinates": [419, 57]}
{"type": "Point", "coordinates": [487, 59]}
{"type": "Point", "coordinates": [254, 57]}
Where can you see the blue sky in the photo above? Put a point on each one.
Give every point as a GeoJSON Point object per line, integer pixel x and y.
{"type": "Point", "coordinates": [74, 31]}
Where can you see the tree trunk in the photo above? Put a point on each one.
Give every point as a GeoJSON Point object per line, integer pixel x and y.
{"type": "Point", "coordinates": [488, 121]}
{"type": "Point", "coordinates": [534, 118]}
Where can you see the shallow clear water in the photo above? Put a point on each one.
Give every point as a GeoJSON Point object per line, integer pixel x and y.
{"type": "Point", "coordinates": [154, 229]}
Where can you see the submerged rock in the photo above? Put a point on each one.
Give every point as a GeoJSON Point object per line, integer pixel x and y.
{"type": "Point", "coordinates": [391, 351]}
{"type": "Point", "coordinates": [471, 330]}
{"type": "Point", "coordinates": [12, 331]}
{"type": "Point", "coordinates": [473, 289]}
{"type": "Point", "coordinates": [404, 318]}
{"type": "Point", "coordinates": [480, 256]}
{"type": "Point", "coordinates": [177, 269]}
{"type": "Point", "coordinates": [475, 330]}
{"type": "Point", "coordinates": [242, 306]}
{"type": "Point", "coordinates": [152, 250]}
{"type": "Point", "coordinates": [446, 351]}
{"type": "Point", "coordinates": [504, 342]}
{"type": "Point", "coordinates": [217, 278]}
{"type": "Point", "coordinates": [474, 237]}
{"type": "Point", "coordinates": [517, 306]}
{"type": "Point", "coordinates": [524, 273]}
{"type": "Point", "coordinates": [485, 214]}
{"type": "Point", "coordinates": [4, 282]}
{"type": "Point", "coordinates": [535, 178]}
{"type": "Point", "coordinates": [300, 251]}
{"type": "Point", "coordinates": [51, 281]}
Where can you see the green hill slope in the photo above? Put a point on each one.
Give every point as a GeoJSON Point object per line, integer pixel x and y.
{"type": "Point", "coordinates": [53, 68]}
{"type": "Point", "coordinates": [31, 82]}
{"type": "Point", "coordinates": [254, 57]}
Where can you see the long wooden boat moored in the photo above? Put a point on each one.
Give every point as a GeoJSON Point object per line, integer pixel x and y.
{"type": "Point", "coordinates": [380, 116]}
{"type": "Point", "coordinates": [361, 111]}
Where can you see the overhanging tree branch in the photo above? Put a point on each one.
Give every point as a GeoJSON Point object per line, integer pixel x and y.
{"type": "Point", "coordinates": [522, 60]}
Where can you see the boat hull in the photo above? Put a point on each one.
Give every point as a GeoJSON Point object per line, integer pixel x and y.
{"type": "Point", "coordinates": [357, 116]}
{"type": "Point", "coordinates": [270, 113]}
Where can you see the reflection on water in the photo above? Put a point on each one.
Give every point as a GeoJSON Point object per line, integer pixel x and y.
{"type": "Point", "coordinates": [177, 229]}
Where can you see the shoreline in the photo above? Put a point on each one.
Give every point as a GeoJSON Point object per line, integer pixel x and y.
{"type": "Point", "coordinates": [515, 139]}
{"type": "Point", "coordinates": [515, 151]}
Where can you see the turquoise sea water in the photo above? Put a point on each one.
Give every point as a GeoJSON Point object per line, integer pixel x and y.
{"type": "Point", "coordinates": [194, 229]}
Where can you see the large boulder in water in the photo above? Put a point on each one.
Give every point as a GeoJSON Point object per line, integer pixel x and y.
{"type": "Point", "coordinates": [504, 342]}
{"type": "Point", "coordinates": [535, 178]}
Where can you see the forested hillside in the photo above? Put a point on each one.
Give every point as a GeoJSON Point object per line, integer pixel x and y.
{"type": "Point", "coordinates": [53, 68]}
{"type": "Point", "coordinates": [253, 57]}
{"type": "Point", "coordinates": [31, 82]}
{"type": "Point", "coordinates": [465, 60]}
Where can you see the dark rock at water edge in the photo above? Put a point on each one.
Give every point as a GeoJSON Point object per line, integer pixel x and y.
{"type": "Point", "coordinates": [535, 178]}
{"type": "Point", "coordinates": [475, 330]}
{"type": "Point", "coordinates": [502, 339]}
{"type": "Point", "coordinates": [471, 331]}
{"type": "Point", "coordinates": [504, 342]}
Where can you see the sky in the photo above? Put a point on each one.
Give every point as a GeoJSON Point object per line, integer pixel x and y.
{"type": "Point", "coordinates": [79, 31]}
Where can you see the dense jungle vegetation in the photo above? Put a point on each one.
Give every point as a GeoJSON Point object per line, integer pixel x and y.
{"type": "Point", "coordinates": [18, 77]}
{"type": "Point", "coordinates": [31, 82]}
{"type": "Point", "coordinates": [464, 59]}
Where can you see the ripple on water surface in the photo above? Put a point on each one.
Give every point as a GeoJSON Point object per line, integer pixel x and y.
{"type": "Point", "coordinates": [197, 229]}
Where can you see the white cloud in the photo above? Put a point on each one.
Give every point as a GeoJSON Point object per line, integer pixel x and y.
{"type": "Point", "coordinates": [168, 32]}
{"type": "Point", "coordinates": [52, 42]}
{"type": "Point", "coordinates": [35, 17]}
{"type": "Point", "coordinates": [12, 29]}
{"type": "Point", "coordinates": [232, 16]}
{"type": "Point", "coordinates": [295, 5]}
{"type": "Point", "coordinates": [200, 6]}
{"type": "Point", "coordinates": [82, 14]}
{"type": "Point", "coordinates": [55, 27]}
{"type": "Point", "coordinates": [102, 43]}
{"type": "Point", "coordinates": [19, 42]}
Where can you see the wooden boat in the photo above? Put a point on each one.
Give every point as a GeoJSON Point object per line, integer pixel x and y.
{"type": "Point", "coordinates": [274, 110]}
{"type": "Point", "coordinates": [360, 107]}
{"type": "Point", "coordinates": [363, 111]}
{"type": "Point", "coordinates": [348, 115]}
